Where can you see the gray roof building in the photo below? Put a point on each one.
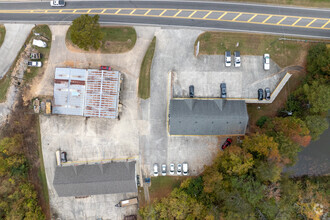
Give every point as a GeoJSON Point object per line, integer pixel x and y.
{"type": "Point", "coordinates": [207, 117]}
{"type": "Point", "coordinates": [84, 180]}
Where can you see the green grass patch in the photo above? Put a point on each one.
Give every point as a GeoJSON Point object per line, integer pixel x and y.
{"type": "Point", "coordinates": [2, 33]}
{"type": "Point", "coordinates": [44, 31]}
{"type": "Point", "coordinates": [4, 85]}
{"type": "Point", "coordinates": [115, 39]}
{"type": "Point", "coordinates": [144, 79]}
{"type": "Point", "coordinates": [284, 53]}
{"type": "Point", "coordinates": [162, 186]}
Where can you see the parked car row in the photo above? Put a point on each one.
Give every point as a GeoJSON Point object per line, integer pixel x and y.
{"type": "Point", "coordinates": [261, 94]}
{"type": "Point", "coordinates": [237, 59]}
{"type": "Point", "coordinates": [181, 169]}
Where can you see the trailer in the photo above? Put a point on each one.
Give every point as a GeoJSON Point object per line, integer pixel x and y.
{"type": "Point", "coordinates": [127, 202]}
{"type": "Point", "coordinates": [35, 56]}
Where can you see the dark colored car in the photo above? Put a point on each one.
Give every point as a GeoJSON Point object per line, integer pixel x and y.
{"type": "Point", "coordinates": [260, 94]}
{"type": "Point", "coordinates": [63, 157]}
{"type": "Point", "coordinates": [191, 91]}
{"type": "Point", "coordinates": [223, 90]}
{"type": "Point", "coordinates": [105, 68]}
{"type": "Point", "coordinates": [267, 93]}
{"type": "Point", "coordinates": [227, 143]}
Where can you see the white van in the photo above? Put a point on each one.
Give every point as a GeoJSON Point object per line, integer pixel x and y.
{"type": "Point", "coordinates": [185, 168]}
{"type": "Point", "coordinates": [39, 43]}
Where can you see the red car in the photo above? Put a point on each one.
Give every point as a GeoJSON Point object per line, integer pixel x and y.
{"type": "Point", "coordinates": [227, 143]}
{"type": "Point", "coordinates": [105, 68]}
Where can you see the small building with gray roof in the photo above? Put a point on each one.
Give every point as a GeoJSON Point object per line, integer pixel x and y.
{"type": "Point", "coordinates": [85, 180]}
{"type": "Point", "coordinates": [207, 117]}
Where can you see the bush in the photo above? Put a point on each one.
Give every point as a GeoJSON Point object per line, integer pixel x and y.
{"type": "Point", "coordinates": [262, 120]}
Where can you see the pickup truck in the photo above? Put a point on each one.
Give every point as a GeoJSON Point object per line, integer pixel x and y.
{"type": "Point", "coordinates": [39, 43]}
{"type": "Point", "coordinates": [35, 56]}
{"type": "Point", "coordinates": [57, 3]}
{"type": "Point", "coordinates": [35, 63]}
{"type": "Point", "coordinates": [127, 202]}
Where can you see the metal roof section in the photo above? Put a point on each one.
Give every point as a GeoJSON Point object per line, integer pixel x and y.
{"type": "Point", "coordinates": [90, 93]}
{"type": "Point", "coordinates": [69, 91]}
{"type": "Point", "coordinates": [207, 117]}
{"type": "Point", "coordinates": [102, 94]}
{"type": "Point", "coordinates": [85, 180]}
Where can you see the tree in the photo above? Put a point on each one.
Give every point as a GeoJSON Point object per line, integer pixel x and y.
{"type": "Point", "coordinates": [268, 171]}
{"type": "Point", "coordinates": [287, 149]}
{"type": "Point", "coordinates": [318, 95]}
{"type": "Point", "coordinates": [317, 125]}
{"type": "Point", "coordinates": [318, 60]}
{"type": "Point", "coordinates": [85, 32]}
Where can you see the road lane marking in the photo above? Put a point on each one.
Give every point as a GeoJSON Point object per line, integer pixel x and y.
{"type": "Point", "coordinates": [237, 16]}
{"type": "Point", "coordinates": [222, 15]}
{"type": "Point", "coordinates": [163, 12]}
{"type": "Point", "coordinates": [252, 17]}
{"type": "Point", "coordinates": [192, 14]}
{"type": "Point", "coordinates": [176, 14]}
{"type": "Point", "coordinates": [311, 23]}
{"type": "Point", "coordinates": [296, 22]}
{"type": "Point", "coordinates": [282, 20]}
{"type": "Point", "coordinates": [103, 11]}
{"type": "Point", "coordinates": [89, 11]}
{"type": "Point", "coordinates": [269, 17]}
{"type": "Point", "coordinates": [325, 24]}
{"type": "Point", "coordinates": [132, 12]}
{"type": "Point", "coordinates": [147, 12]}
{"type": "Point", "coordinates": [117, 11]}
{"type": "Point", "coordinates": [207, 14]}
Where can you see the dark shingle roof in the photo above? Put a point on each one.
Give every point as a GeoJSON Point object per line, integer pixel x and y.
{"type": "Point", "coordinates": [84, 180]}
{"type": "Point", "coordinates": [208, 117]}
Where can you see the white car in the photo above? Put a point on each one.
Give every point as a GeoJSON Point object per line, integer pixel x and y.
{"type": "Point", "coordinates": [39, 43]}
{"type": "Point", "coordinates": [227, 58]}
{"type": "Point", "coordinates": [185, 169]}
{"type": "Point", "coordinates": [164, 170]}
{"type": "Point", "coordinates": [237, 56]}
{"type": "Point", "coordinates": [155, 169]}
{"type": "Point", "coordinates": [57, 3]}
{"type": "Point", "coordinates": [266, 61]}
{"type": "Point", "coordinates": [172, 168]}
{"type": "Point", "coordinates": [35, 63]}
{"type": "Point", "coordinates": [179, 170]}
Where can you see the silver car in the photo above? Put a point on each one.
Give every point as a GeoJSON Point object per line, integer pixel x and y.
{"type": "Point", "coordinates": [164, 169]}
{"type": "Point", "coordinates": [155, 169]}
{"type": "Point", "coordinates": [179, 170]}
{"type": "Point", "coordinates": [172, 168]}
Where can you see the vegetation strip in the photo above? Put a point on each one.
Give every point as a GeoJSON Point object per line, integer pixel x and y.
{"type": "Point", "coordinates": [2, 33]}
{"type": "Point", "coordinates": [144, 79]}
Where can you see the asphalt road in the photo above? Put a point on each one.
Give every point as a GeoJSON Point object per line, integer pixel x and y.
{"type": "Point", "coordinates": [173, 21]}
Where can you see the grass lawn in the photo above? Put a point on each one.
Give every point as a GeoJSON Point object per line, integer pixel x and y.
{"type": "Point", "coordinates": [144, 79]}
{"type": "Point", "coordinates": [162, 186]}
{"type": "Point", "coordinates": [2, 33]}
{"type": "Point", "coordinates": [284, 53]}
{"type": "Point", "coordinates": [307, 3]}
{"type": "Point", "coordinates": [34, 71]}
{"type": "Point", "coordinates": [4, 85]}
{"type": "Point", "coordinates": [115, 39]}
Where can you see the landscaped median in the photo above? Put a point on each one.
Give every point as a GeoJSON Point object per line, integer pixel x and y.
{"type": "Point", "coordinates": [283, 52]}
{"type": "Point", "coordinates": [114, 40]}
{"type": "Point", "coordinates": [144, 79]}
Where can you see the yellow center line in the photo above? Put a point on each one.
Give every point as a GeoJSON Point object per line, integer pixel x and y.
{"type": "Point", "coordinates": [237, 16]}
{"type": "Point", "coordinates": [60, 10]}
{"type": "Point", "coordinates": [147, 12]}
{"type": "Point", "coordinates": [103, 11]}
{"type": "Point", "coordinates": [296, 22]}
{"type": "Point", "coordinates": [282, 20]}
{"type": "Point", "coordinates": [325, 24]}
{"type": "Point", "coordinates": [252, 17]}
{"type": "Point", "coordinates": [74, 11]}
{"type": "Point", "coordinates": [132, 12]}
{"type": "Point", "coordinates": [192, 14]}
{"type": "Point", "coordinates": [267, 19]}
{"type": "Point", "coordinates": [117, 11]}
{"type": "Point", "coordinates": [207, 14]}
{"type": "Point", "coordinates": [89, 11]}
{"type": "Point", "coordinates": [177, 13]}
{"type": "Point", "coordinates": [222, 15]}
{"type": "Point", "coordinates": [163, 12]}
{"type": "Point", "coordinates": [311, 22]}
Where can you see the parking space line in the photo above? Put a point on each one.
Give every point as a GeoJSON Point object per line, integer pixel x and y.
{"type": "Point", "coordinates": [132, 12]}
{"type": "Point", "coordinates": [207, 14]}
{"type": "Point", "coordinates": [296, 22]}
{"type": "Point", "coordinates": [325, 24]}
{"type": "Point", "coordinates": [252, 18]}
{"type": "Point", "coordinates": [311, 22]}
{"type": "Point", "coordinates": [163, 12]}
{"type": "Point", "coordinates": [267, 19]}
{"type": "Point", "coordinates": [282, 20]}
{"type": "Point", "coordinates": [147, 12]}
{"type": "Point", "coordinates": [117, 11]}
{"type": "Point", "coordinates": [222, 15]}
{"type": "Point", "coordinates": [177, 13]}
{"type": "Point", "coordinates": [237, 16]}
{"type": "Point", "coordinates": [192, 14]}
